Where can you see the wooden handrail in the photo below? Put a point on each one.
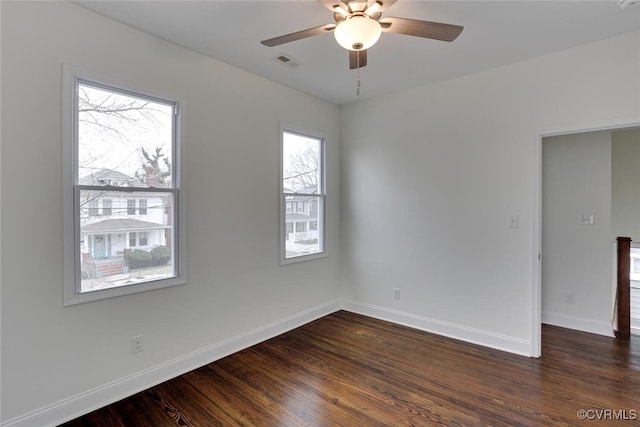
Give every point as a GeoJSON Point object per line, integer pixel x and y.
{"type": "Point", "coordinates": [623, 293]}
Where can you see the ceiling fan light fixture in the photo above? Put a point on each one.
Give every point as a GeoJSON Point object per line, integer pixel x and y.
{"type": "Point", "coordinates": [357, 32]}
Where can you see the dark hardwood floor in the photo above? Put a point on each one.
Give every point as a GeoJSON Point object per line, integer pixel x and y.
{"type": "Point", "coordinates": [350, 370]}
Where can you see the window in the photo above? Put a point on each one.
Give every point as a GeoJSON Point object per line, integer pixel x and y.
{"type": "Point", "coordinates": [634, 273]}
{"type": "Point", "coordinates": [106, 207]}
{"type": "Point", "coordinates": [93, 207]}
{"type": "Point", "coordinates": [142, 207]}
{"type": "Point", "coordinates": [122, 153]}
{"type": "Point", "coordinates": [302, 196]}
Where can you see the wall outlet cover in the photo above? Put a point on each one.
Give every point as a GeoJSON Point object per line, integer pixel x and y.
{"type": "Point", "coordinates": [587, 219]}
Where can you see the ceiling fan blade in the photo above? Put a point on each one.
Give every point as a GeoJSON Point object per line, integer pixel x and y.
{"type": "Point", "coordinates": [357, 59]}
{"type": "Point", "coordinates": [310, 32]}
{"type": "Point", "coordinates": [426, 29]}
{"type": "Point", "coordinates": [386, 4]}
{"type": "Point", "coordinates": [330, 4]}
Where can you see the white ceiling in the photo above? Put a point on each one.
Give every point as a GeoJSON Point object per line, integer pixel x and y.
{"type": "Point", "coordinates": [495, 33]}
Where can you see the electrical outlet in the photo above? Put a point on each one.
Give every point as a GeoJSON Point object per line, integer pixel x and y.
{"type": "Point", "coordinates": [396, 293]}
{"type": "Point", "coordinates": [137, 344]}
{"type": "Point", "coordinates": [569, 297]}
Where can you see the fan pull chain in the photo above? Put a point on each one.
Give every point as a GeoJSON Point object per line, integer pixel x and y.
{"type": "Point", "coordinates": [358, 74]}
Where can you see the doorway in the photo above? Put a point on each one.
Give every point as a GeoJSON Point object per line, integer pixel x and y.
{"type": "Point", "coordinates": [564, 305]}
{"type": "Point", "coordinates": [577, 244]}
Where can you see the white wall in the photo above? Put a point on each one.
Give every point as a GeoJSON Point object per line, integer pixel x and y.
{"type": "Point", "coordinates": [60, 361]}
{"type": "Point", "coordinates": [577, 257]}
{"type": "Point", "coordinates": [431, 175]}
{"type": "Point", "coordinates": [625, 153]}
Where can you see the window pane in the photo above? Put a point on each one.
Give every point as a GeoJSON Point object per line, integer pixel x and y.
{"type": "Point", "coordinates": [142, 206]}
{"type": "Point", "coordinates": [123, 140]}
{"type": "Point", "coordinates": [92, 206]}
{"type": "Point", "coordinates": [106, 207]}
{"type": "Point", "coordinates": [124, 249]}
{"type": "Point", "coordinates": [131, 207]}
{"type": "Point", "coordinates": [302, 235]}
{"type": "Point", "coordinates": [301, 158]}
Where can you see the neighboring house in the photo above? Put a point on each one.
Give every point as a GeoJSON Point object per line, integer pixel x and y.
{"type": "Point", "coordinates": [112, 224]}
{"type": "Point", "coordinates": [301, 216]}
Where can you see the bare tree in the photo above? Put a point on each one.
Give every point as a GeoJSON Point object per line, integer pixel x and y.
{"type": "Point", "coordinates": [111, 112]}
{"type": "Point", "coordinates": [302, 171]}
{"type": "Point", "coordinates": [113, 127]}
{"type": "Point", "coordinates": [153, 172]}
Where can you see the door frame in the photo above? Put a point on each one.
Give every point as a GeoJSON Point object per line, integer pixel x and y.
{"type": "Point", "coordinates": [536, 281]}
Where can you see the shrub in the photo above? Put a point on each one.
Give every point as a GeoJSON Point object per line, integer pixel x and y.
{"type": "Point", "coordinates": [161, 255]}
{"type": "Point", "coordinates": [139, 258]}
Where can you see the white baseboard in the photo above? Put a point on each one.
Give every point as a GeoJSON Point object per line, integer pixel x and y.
{"type": "Point", "coordinates": [578, 323]}
{"type": "Point", "coordinates": [451, 330]}
{"type": "Point", "coordinates": [99, 397]}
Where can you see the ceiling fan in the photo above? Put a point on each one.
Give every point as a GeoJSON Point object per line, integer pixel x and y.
{"type": "Point", "coordinates": [359, 24]}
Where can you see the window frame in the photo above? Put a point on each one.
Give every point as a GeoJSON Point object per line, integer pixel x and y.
{"type": "Point", "coordinates": [71, 240]}
{"type": "Point", "coordinates": [321, 196]}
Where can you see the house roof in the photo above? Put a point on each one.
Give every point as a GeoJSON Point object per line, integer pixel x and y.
{"type": "Point", "coordinates": [313, 189]}
{"type": "Point", "coordinates": [109, 177]}
{"type": "Point", "coordinates": [309, 190]}
{"type": "Point", "coordinates": [123, 225]}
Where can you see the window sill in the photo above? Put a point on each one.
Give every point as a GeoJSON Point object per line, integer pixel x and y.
{"type": "Point", "coordinates": [79, 298]}
{"type": "Point", "coordinates": [302, 258]}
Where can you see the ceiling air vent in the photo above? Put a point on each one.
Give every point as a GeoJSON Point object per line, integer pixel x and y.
{"type": "Point", "coordinates": [287, 60]}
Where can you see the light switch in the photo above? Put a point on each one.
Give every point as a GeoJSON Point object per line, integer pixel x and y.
{"type": "Point", "coordinates": [513, 221]}
{"type": "Point", "coordinates": [587, 219]}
